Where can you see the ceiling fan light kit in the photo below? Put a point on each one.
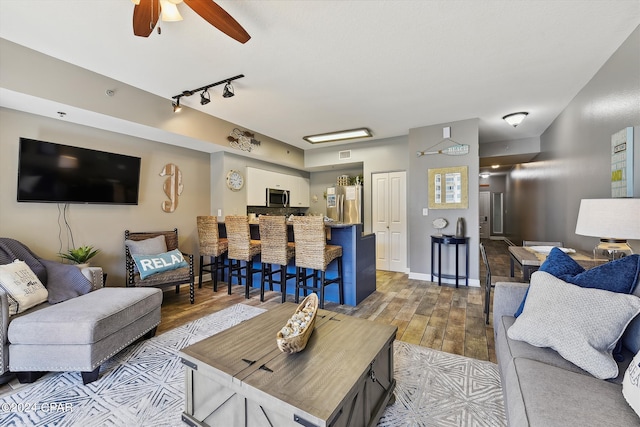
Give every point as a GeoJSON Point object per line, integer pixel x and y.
{"type": "Point", "coordinates": [170, 11]}
{"type": "Point", "coordinates": [514, 119]}
{"type": "Point", "coordinates": [338, 136]}
{"type": "Point", "coordinates": [147, 12]}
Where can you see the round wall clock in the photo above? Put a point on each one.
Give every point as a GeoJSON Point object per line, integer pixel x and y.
{"type": "Point", "coordinates": [235, 180]}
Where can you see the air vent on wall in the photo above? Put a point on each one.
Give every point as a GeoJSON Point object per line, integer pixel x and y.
{"type": "Point", "coordinates": [344, 155]}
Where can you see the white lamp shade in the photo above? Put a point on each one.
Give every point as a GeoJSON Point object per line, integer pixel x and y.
{"type": "Point", "coordinates": [609, 218]}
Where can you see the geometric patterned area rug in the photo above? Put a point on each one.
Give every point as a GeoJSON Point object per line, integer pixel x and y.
{"type": "Point", "coordinates": [144, 386]}
{"type": "Point", "coordinates": [434, 388]}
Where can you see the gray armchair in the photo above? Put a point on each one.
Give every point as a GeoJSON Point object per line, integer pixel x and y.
{"type": "Point", "coordinates": [175, 277]}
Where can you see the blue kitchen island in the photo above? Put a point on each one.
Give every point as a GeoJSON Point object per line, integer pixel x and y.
{"type": "Point", "coordinates": [358, 258]}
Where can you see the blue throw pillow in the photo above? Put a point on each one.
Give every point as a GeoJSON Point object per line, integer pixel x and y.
{"type": "Point", "coordinates": [619, 276]}
{"type": "Point", "coordinates": [152, 264]}
{"type": "Point", "coordinates": [560, 264]}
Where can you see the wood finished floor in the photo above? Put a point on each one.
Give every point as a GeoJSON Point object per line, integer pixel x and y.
{"type": "Point", "coordinates": [443, 318]}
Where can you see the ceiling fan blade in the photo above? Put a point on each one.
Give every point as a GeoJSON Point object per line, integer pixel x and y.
{"type": "Point", "coordinates": [145, 17]}
{"type": "Point", "coordinates": [219, 18]}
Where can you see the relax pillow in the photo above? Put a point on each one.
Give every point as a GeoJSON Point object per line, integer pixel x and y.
{"type": "Point", "coordinates": [152, 264]}
{"type": "Point", "coordinates": [151, 246]}
{"type": "Point", "coordinates": [582, 324]}
{"type": "Point", "coordinates": [23, 288]}
{"type": "Point", "coordinates": [631, 384]}
{"type": "Point", "coordinates": [620, 275]}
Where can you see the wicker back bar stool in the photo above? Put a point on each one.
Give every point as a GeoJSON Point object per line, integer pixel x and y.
{"type": "Point", "coordinates": [241, 249]}
{"type": "Point", "coordinates": [214, 247]}
{"type": "Point", "coordinates": [276, 250]}
{"type": "Point", "coordinates": [313, 253]}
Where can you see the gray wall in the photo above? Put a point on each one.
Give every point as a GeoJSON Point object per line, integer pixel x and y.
{"type": "Point", "coordinates": [574, 162]}
{"type": "Point", "coordinates": [39, 225]}
{"type": "Point", "coordinates": [420, 227]}
{"type": "Point", "coordinates": [384, 155]}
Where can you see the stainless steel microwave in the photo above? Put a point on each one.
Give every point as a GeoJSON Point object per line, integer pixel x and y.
{"type": "Point", "coordinates": [277, 198]}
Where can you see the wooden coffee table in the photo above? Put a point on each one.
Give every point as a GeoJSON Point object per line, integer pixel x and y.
{"type": "Point", "coordinates": [238, 377]}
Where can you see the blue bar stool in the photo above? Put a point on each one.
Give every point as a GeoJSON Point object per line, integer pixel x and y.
{"type": "Point", "coordinates": [276, 250]}
{"type": "Point", "coordinates": [241, 249]}
{"type": "Point", "coordinates": [313, 253]}
{"type": "Point", "coordinates": [214, 247]}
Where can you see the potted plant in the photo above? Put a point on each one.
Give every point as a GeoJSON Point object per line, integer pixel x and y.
{"type": "Point", "coordinates": [80, 255]}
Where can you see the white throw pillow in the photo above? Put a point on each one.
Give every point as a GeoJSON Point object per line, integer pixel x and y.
{"type": "Point", "coordinates": [631, 384]}
{"type": "Point", "coordinates": [582, 324]}
{"type": "Point", "coordinates": [152, 246]}
{"type": "Point", "coordinates": [23, 288]}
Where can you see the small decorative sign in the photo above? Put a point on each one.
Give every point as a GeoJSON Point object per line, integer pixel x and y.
{"type": "Point", "coordinates": [172, 186]}
{"type": "Point", "coordinates": [622, 163]}
{"type": "Point", "coordinates": [242, 140]}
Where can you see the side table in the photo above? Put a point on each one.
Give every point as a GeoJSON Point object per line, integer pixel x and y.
{"type": "Point", "coordinates": [450, 240]}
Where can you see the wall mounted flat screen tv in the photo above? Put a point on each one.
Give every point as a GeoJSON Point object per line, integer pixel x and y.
{"type": "Point", "coordinates": [55, 173]}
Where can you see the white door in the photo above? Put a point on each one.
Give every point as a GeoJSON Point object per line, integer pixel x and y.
{"type": "Point", "coordinates": [485, 214]}
{"type": "Point", "coordinates": [389, 217]}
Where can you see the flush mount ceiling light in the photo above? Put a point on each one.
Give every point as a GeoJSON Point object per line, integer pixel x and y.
{"type": "Point", "coordinates": [495, 166]}
{"type": "Point", "coordinates": [204, 96]}
{"type": "Point", "coordinates": [228, 91]}
{"type": "Point", "coordinates": [339, 136]}
{"type": "Point", "coordinates": [514, 119]}
{"type": "Point", "coordinates": [485, 175]}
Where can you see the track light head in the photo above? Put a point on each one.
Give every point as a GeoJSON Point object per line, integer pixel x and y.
{"type": "Point", "coordinates": [228, 91]}
{"type": "Point", "coordinates": [176, 106]}
{"type": "Point", "coordinates": [204, 97]}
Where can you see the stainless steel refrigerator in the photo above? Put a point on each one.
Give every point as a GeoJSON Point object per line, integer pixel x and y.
{"type": "Point", "coordinates": [344, 203]}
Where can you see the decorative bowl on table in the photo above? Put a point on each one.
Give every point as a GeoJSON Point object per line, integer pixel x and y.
{"type": "Point", "coordinates": [293, 337]}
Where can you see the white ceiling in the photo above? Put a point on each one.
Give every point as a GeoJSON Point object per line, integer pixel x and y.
{"type": "Point", "coordinates": [317, 66]}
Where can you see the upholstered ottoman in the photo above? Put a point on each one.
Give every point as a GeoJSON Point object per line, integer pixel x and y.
{"type": "Point", "coordinates": [81, 333]}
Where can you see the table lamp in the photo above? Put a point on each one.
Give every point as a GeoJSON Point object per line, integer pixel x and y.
{"type": "Point", "coordinates": [613, 221]}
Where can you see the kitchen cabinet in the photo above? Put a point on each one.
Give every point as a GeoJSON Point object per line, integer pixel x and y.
{"type": "Point", "coordinates": [256, 188]}
{"type": "Point", "coordinates": [258, 180]}
{"type": "Point", "coordinates": [299, 192]}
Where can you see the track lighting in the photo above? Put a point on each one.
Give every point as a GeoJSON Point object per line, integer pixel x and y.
{"type": "Point", "coordinates": [205, 98]}
{"type": "Point", "coordinates": [228, 90]}
{"type": "Point", "coordinates": [176, 106]}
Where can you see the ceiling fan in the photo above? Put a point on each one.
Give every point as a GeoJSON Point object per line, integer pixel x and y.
{"type": "Point", "coordinates": [147, 12]}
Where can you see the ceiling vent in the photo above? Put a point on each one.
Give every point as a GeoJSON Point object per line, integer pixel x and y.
{"type": "Point", "coordinates": [344, 155]}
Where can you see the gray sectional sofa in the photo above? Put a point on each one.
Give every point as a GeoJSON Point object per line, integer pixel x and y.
{"type": "Point", "coordinates": [541, 388]}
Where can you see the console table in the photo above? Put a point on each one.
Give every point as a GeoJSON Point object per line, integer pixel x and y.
{"type": "Point", "coordinates": [450, 240]}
